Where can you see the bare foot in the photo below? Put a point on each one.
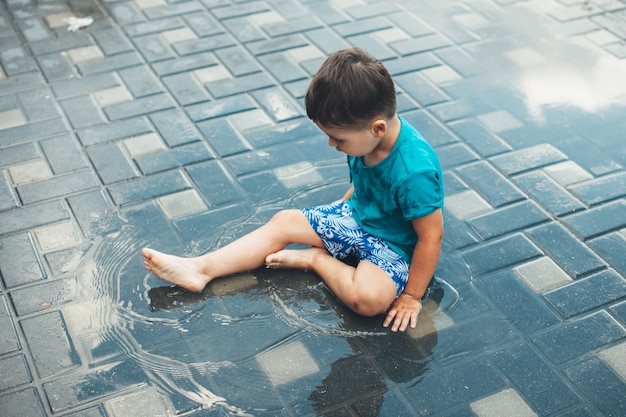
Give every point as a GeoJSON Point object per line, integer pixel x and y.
{"type": "Point", "coordinates": [183, 272]}
{"type": "Point", "coordinates": [290, 258]}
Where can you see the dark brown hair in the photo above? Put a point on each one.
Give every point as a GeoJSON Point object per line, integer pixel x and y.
{"type": "Point", "coordinates": [350, 89]}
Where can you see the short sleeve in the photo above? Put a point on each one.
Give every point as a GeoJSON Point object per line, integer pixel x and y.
{"type": "Point", "coordinates": [420, 194]}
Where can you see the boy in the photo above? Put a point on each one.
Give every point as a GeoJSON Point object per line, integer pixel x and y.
{"type": "Point", "coordinates": [390, 219]}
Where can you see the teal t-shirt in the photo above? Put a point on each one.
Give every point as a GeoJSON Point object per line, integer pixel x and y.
{"type": "Point", "coordinates": [406, 185]}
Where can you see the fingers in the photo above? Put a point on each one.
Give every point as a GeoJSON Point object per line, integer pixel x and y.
{"type": "Point", "coordinates": [401, 321]}
{"type": "Point", "coordinates": [390, 316]}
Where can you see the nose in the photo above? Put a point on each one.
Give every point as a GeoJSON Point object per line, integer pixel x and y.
{"type": "Point", "coordinates": [332, 142]}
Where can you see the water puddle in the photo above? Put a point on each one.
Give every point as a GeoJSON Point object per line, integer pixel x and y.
{"type": "Point", "coordinates": [187, 343]}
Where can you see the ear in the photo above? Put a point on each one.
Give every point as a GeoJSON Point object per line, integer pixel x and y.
{"type": "Point", "coordinates": [379, 127]}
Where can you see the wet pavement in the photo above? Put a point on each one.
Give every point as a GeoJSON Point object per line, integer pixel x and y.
{"type": "Point", "coordinates": [179, 124]}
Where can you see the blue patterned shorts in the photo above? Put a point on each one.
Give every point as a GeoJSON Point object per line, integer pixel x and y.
{"type": "Point", "coordinates": [343, 237]}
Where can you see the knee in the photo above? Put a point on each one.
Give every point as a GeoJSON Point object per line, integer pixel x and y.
{"type": "Point", "coordinates": [286, 217]}
{"type": "Point", "coordinates": [366, 304]}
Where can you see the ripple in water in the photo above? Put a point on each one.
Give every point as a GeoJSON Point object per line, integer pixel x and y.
{"type": "Point", "coordinates": [182, 341]}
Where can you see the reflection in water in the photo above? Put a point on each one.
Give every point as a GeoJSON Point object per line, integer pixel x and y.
{"type": "Point", "coordinates": [210, 350]}
{"type": "Point", "coordinates": [590, 88]}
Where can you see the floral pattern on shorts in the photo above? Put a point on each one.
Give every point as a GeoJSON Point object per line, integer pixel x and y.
{"type": "Point", "coordinates": [343, 236]}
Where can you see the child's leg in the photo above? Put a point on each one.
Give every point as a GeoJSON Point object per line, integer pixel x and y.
{"type": "Point", "coordinates": [244, 254]}
{"type": "Point", "coordinates": [366, 289]}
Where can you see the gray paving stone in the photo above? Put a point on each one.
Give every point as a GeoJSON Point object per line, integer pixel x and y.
{"type": "Point", "coordinates": [57, 186]}
{"type": "Point", "coordinates": [110, 63]}
{"type": "Point", "coordinates": [500, 254]}
{"type": "Point", "coordinates": [112, 41]}
{"type": "Point", "coordinates": [110, 163]}
{"type": "Point", "coordinates": [612, 248]}
{"type": "Point", "coordinates": [588, 294]}
{"type": "Point", "coordinates": [267, 46]}
{"type": "Point", "coordinates": [113, 131]}
{"type": "Point", "coordinates": [508, 219]}
{"type": "Point", "coordinates": [490, 183]}
{"type": "Point", "coordinates": [154, 26]}
{"type": "Point", "coordinates": [43, 296]}
{"type": "Point", "coordinates": [301, 128]}
{"type": "Point", "coordinates": [19, 82]}
{"type": "Point", "coordinates": [449, 111]}
{"type": "Point", "coordinates": [180, 156]}
{"type": "Point", "coordinates": [16, 61]}
{"type": "Point", "coordinates": [223, 13]}
{"type": "Point", "coordinates": [7, 198]}
{"type": "Point", "coordinates": [62, 154]}
{"type": "Point", "coordinates": [124, 13]}
{"type": "Point", "coordinates": [419, 89]}
{"type": "Point", "coordinates": [25, 403]}
{"type": "Point", "coordinates": [520, 305]}
{"type": "Point", "coordinates": [549, 194]}
{"type": "Point", "coordinates": [186, 63]}
{"type": "Point", "coordinates": [140, 81]}
{"type": "Point", "coordinates": [60, 44]}
{"type": "Point", "coordinates": [81, 111]}
{"type": "Point", "coordinates": [54, 353]}
{"type": "Point", "coordinates": [225, 107]}
{"type": "Point", "coordinates": [579, 337]}
{"type": "Point", "coordinates": [455, 154]}
{"type": "Point", "coordinates": [139, 107]}
{"type": "Point", "coordinates": [245, 83]}
{"type": "Point", "coordinates": [278, 104]}
{"type": "Point", "coordinates": [32, 131]}
{"type": "Point", "coordinates": [65, 393]}
{"type": "Point", "coordinates": [38, 104]}
{"type": "Point", "coordinates": [485, 142]}
{"type": "Point", "coordinates": [292, 25]}
{"type": "Point", "coordinates": [454, 386]}
{"type": "Point", "coordinates": [175, 127]}
{"type": "Point", "coordinates": [153, 48]}
{"type": "Point", "coordinates": [567, 251]}
{"type": "Point", "coordinates": [14, 372]}
{"type": "Point", "coordinates": [32, 216]}
{"type": "Point", "coordinates": [601, 189]}
{"type": "Point", "coordinates": [55, 67]}
{"type": "Point", "coordinates": [526, 159]}
{"type": "Point", "coordinates": [185, 89]}
{"type": "Point", "coordinates": [609, 391]}
{"type": "Point", "coordinates": [534, 379]}
{"type": "Point", "coordinates": [33, 29]}
{"type": "Point", "coordinates": [9, 341]}
{"type": "Point", "coordinates": [211, 43]}
{"type": "Point", "coordinates": [16, 154]}
{"type": "Point", "coordinates": [220, 190]}
{"type": "Point", "coordinates": [203, 24]}
{"type": "Point", "coordinates": [86, 84]}
{"type": "Point", "coordinates": [172, 10]}
{"type": "Point", "coordinates": [431, 129]}
{"type": "Point", "coordinates": [600, 220]}
{"type": "Point", "coordinates": [282, 68]}
{"type": "Point", "coordinates": [20, 262]}
{"type": "Point", "coordinates": [223, 137]}
{"type": "Point", "coordinates": [148, 187]}
{"type": "Point", "coordinates": [94, 213]}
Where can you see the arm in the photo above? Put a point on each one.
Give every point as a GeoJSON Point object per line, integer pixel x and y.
{"type": "Point", "coordinates": [348, 193]}
{"type": "Point", "coordinates": [406, 307]}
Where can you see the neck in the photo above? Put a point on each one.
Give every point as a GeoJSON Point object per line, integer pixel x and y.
{"type": "Point", "coordinates": [386, 144]}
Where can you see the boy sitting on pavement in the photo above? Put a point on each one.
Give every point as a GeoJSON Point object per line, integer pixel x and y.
{"type": "Point", "coordinates": [390, 218]}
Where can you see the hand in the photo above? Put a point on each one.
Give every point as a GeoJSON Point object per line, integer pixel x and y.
{"type": "Point", "coordinates": [403, 312]}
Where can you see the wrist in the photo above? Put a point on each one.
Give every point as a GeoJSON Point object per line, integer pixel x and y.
{"type": "Point", "coordinates": [410, 295]}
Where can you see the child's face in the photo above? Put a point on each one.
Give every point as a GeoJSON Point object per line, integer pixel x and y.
{"type": "Point", "coordinates": [351, 142]}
